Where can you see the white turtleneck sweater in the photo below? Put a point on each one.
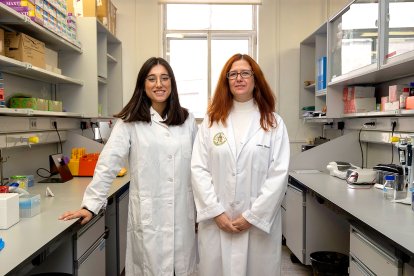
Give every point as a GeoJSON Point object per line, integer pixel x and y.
{"type": "Point", "coordinates": [241, 117]}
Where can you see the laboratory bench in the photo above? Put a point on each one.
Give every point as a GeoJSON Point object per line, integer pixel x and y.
{"type": "Point", "coordinates": [388, 225]}
{"type": "Point", "coordinates": [29, 242]}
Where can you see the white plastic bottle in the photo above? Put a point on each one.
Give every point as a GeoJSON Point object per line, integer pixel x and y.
{"type": "Point", "coordinates": [389, 187]}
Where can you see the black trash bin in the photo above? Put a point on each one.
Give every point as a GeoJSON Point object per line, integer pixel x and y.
{"type": "Point", "coordinates": [328, 263]}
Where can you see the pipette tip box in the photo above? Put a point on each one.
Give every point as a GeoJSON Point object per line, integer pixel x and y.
{"type": "Point", "coordinates": [29, 205]}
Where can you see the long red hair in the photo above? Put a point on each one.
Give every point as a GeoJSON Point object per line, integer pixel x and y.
{"type": "Point", "coordinates": [220, 106]}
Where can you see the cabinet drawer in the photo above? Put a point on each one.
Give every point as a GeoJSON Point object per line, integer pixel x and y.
{"type": "Point", "coordinates": [89, 234]}
{"type": "Point", "coordinates": [295, 217]}
{"type": "Point", "coordinates": [356, 268]}
{"type": "Point", "coordinates": [372, 255]}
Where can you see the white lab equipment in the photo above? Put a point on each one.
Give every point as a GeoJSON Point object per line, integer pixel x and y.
{"type": "Point", "coordinates": [361, 176]}
{"type": "Point", "coordinates": [340, 168]}
{"type": "Point", "coordinates": [9, 210]}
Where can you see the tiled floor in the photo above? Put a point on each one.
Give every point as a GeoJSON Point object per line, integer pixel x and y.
{"type": "Point", "coordinates": [288, 268]}
{"type": "Point", "coordinates": [293, 269]}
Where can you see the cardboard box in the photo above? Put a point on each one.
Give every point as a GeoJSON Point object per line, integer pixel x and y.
{"type": "Point", "coordinates": [409, 103]}
{"type": "Point", "coordinates": [112, 18]}
{"type": "Point", "coordinates": [51, 57]}
{"type": "Point", "coordinates": [55, 106]}
{"type": "Point", "coordinates": [25, 48]}
{"type": "Point", "coordinates": [102, 8]}
{"type": "Point", "coordinates": [384, 100]}
{"type": "Point", "coordinates": [2, 52]}
{"type": "Point", "coordinates": [353, 92]}
{"type": "Point", "coordinates": [106, 13]}
{"type": "Point", "coordinates": [395, 91]}
{"type": "Point", "coordinates": [391, 106]}
{"type": "Point", "coordinates": [359, 105]}
{"type": "Point", "coordinates": [32, 103]}
{"type": "Point", "coordinates": [82, 8]}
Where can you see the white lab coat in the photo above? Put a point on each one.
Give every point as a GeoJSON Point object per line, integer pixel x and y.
{"type": "Point", "coordinates": [161, 213]}
{"type": "Point", "coordinates": [252, 183]}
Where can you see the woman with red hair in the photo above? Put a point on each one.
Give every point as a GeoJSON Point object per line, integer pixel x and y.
{"type": "Point", "coordinates": [239, 175]}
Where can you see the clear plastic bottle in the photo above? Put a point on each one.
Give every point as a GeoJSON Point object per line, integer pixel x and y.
{"type": "Point", "coordinates": [389, 186]}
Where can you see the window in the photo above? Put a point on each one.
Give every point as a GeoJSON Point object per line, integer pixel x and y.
{"type": "Point", "coordinates": [199, 39]}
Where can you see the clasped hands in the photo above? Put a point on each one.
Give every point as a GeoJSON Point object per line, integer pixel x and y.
{"type": "Point", "coordinates": [238, 225]}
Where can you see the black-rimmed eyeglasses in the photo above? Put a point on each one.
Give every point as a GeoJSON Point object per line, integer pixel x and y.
{"type": "Point", "coordinates": [245, 74]}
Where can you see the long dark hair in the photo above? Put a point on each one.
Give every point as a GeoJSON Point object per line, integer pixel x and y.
{"type": "Point", "coordinates": [138, 107]}
{"type": "Point", "coordinates": [220, 106]}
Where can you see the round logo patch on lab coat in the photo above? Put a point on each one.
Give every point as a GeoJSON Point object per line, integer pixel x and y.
{"type": "Point", "coordinates": [219, 139]}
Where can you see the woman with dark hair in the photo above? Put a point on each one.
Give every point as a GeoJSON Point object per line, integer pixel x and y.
{"type": "Point", "coordinates": [239, 175]}
{"type": "Point", "coordinates": [156, 135]}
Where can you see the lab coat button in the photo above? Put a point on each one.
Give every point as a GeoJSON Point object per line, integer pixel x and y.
{"type": "Point", "coordinates": [170, 179]}
{"type": "Point", "coordinates": [233, 174]}
{"type": "Point", "coordinates": [170, 156]}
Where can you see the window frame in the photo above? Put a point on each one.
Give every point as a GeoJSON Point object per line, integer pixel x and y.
{"type": "Point", "coordinates": [209, 35]}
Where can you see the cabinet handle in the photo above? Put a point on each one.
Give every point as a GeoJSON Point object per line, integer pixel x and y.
{"type": "Point", "coordinates": [295, 188]}
{"type": "Point", "coordinates": [375, 247]}
{"type": "Point", "coordinates": [106, 233]}
{"type": "Point", "coordinates": [361, 266]}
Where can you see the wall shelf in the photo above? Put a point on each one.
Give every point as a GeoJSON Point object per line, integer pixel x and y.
{"type": "Point", "coordinates": [100, 66]}
{"type": "Point", "coordinates": [13, 20]}
{"type": "Point", "coordinates": [111, 58]}
{"type": "Point", "coordinates": [31, 112]}
{"type": "Point", "coordinates": [355, 59]}
{"type": "Point", "coordinates": [26, 70]}
{"type": "Point", "coordinates": [310, 86]}
{"type": "Point", "coordinates": [312, 49]}
{"type": "Point", "coordinates": [392, 113]}
{"type": "Point", "coordinates": [320, 93]}
{"type": "Point", "coordinates": [318, 120]}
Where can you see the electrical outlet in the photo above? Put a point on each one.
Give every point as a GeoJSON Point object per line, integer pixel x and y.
{"type": "Point", "coordinates": [371, 124]}
{"type": "Point", "coordinates": [33, 123]}
{"type": "Point", "coordinates": [394, 123]}
{"type": "Point", "coordinates": [52, 123]}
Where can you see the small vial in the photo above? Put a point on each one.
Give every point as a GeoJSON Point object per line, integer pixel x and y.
{"type": "Point", "coordinates": [411, 93]}
{"type": "Point", "coordinates": [403, 99]}
{"type": "Point", "coordinates": [389, 186]}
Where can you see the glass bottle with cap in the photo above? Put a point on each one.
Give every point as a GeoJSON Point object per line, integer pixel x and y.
{"type": "Point", "coordinates": [389, 186]}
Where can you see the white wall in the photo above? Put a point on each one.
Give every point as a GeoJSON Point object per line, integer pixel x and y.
{"type": "Point", "coordinates": [139, 29]}
{"type": "Point", "coordinates": [283, 24]}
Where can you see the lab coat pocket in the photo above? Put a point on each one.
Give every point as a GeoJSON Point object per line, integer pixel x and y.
{"type": "Point", "coordinates": [146, 210]}
{"type": "Point", "coordinates": [186, 146]}
{"type": "Point", "coordinates": [261, 158]}
{"type": "Point", "coordinates": [142, 209]}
